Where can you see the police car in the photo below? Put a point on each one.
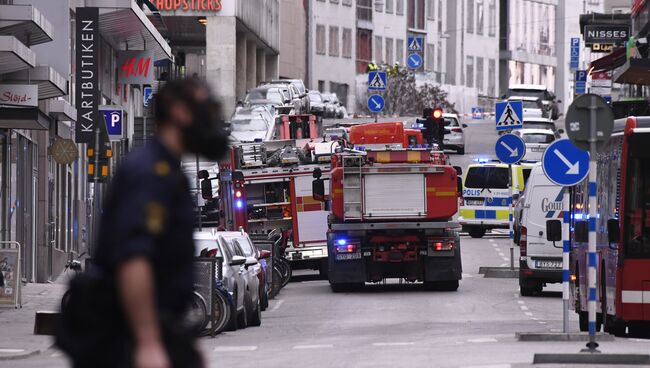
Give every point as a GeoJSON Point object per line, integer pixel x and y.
{"type": "Point", "coordinates": [486, 197]}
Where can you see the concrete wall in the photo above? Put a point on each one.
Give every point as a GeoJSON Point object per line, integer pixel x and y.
{"type": "Point", "coordinates": [262, 17]}
{"type": "Point", "coordinates": [221, 59]}
{"type": "Point", "coordinates": [293, 39]}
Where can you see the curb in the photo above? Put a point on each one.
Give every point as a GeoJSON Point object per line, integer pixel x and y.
{"type": "Point", "coordinates": [24, 355]}
{"type": "Point", "coordinates": [592, 358]}
{"type": "Point", "coordinates": [560, 336]}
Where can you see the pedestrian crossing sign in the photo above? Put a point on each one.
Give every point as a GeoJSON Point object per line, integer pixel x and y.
{"type": "Point", "coordinates": [509, 115]}
{"type": "Point", "coordinates": [415, 43]}
{"type": "Point", "coordinates": [377, 81]}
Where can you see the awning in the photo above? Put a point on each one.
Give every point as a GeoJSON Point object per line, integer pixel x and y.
{"type": "Point", "coordinates": [50, 83]}
{"type": "Point", "coordinates": [26, 23]}
{"type": "Point", "coordinates": [14, 55]}
{"type": "Point", "coordinates": [62, 110]}
{"type": "Point", "coordinates": [23, 118]}
{"type": "Point", "coordinates": [634, 71]}
{"type": "Point", "coordinates": [125, 26]}
{"type": "Point", "coordinates": [611, 61]}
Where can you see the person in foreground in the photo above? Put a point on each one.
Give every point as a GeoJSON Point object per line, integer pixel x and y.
{"type": "Point", "coordinates": [145, 247]}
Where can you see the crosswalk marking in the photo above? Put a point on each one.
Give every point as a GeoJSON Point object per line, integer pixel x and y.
{"type": "Point", "coordinates": [316, 346]}
{"type": "Point", "coordinates": [231, 349]}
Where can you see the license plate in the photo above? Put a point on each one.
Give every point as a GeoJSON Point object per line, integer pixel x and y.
{"type": "Point", "coordinates": [474, 202]}
{"type": "Point", "coordinates": [348, 256]}
{"type": "Point", "coordinates": [548, 264]}
{"type": "Point", "coordinates": [538, 149]}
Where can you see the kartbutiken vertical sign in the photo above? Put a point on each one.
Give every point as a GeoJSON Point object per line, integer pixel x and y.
{"type": "Point", "coordinates": [87, 73]}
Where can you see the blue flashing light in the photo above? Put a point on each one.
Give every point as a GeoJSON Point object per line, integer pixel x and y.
{"type": "Point", "coordinates": [239, 203]}
{"type": "Point", "coordinates": [342, 241]}
{"type": "Point", "coordinates": [578, 216]}
{"type": "Point", "coordinates": [482, 160]}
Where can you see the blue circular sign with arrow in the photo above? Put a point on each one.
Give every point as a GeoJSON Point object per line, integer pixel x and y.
{"type": "Point", "coordinates": [376, 103]}
{"type": "Point", "coordinates": [414, 61]}
{"type": "Point", "coordinates": [564, 163]}
{"type": "Point", "coordinates": [510, 148]}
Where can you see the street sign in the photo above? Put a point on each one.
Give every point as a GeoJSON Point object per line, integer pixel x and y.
{"type": "Point", "coordinates": [510, 148]}
{"type": "Point", "coordinates": [376, 103]}
{"type": "Point", "coordinates": [147, 92]}
{"type": "Point", "coordinates": [575, 53]}
{"type": "Point", "coordinates": [477, 113]}
{"type": "Point", "coordinates": [578, 119]}
{"type": "Point", "coordinates": [64, 151]}
{"type": "Point", "coordinates": [581, 82]}
{"type": "Point", "coordinates": [113, 117]}
{"type": "Point", "coordinates": [377, 81]}
{"type": "Point", "coordinates": [415, 44]}
{"type": "Point", "coordinates": [509, 115]}
{"type": "Point", "coordinates": [414, 61]}
{"type": "Point", "coordinates": [565, 164]}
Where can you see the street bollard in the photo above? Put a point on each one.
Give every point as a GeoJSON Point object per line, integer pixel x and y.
{"type": "Point", "coordinates": [565, 260]}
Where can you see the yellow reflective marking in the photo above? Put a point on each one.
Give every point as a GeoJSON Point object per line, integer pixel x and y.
{"type": "Point", "coordinates": [467, 214]}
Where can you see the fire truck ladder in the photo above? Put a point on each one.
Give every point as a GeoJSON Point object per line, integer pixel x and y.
{"type": "Point", "coordinates": [352, 187]}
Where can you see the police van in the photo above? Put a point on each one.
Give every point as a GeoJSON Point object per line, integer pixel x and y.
{"type": "Point", "coordinates": [540, 260]}
{"type": "Point", "coordinates": [486, 198]}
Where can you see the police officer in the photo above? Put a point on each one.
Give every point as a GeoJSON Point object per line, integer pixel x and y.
{"type": "Point", "coordinates": [145, 241]}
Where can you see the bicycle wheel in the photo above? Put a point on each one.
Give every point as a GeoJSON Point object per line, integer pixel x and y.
{"type": "Point", "coordinates": [286, 271]}
{"type": "Point", "coordinates": [196, 317]}
{"type": "Point", "coordinates": [221, 310]}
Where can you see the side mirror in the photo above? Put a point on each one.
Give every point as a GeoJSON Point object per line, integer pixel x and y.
{"type": "Point", "coordinates": [581, 231]}
{"type": "Point", "coordinates": [613, 231]}
{"type": "Point", "coordinates": [317, 173]}
{"type": "Point", "coordinates": [560, 131]}
{"type": "Point", "coordinates": [318, 190]}
{"type": "Point", "coordinates": [515, 197]}
{"type": "Point", "coordinates": [459, 170]}
{"type": "Point", "coordinates": [464, 125]}
{"type": "Point", "coordinates": [237, 261]}
{"type": "Point", "coordinates": [459, 186]}
{"type": "Point", "coordinates": [265, 254]}
{"type": "Point", "coordinates": [553, 230]}
{"type": "Point", "coordinates": [206, 188]}
{"type": "Point", "coordinates": [250, 261]}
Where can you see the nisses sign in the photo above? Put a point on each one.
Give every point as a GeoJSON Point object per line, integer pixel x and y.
{"type": "Point", "coordinates": [188, 5]}
{"type": "Point", "coordinates": [607, 33]}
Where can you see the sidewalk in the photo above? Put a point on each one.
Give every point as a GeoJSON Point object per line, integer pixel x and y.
{"type": "Point", "coordinates": [17, 339]}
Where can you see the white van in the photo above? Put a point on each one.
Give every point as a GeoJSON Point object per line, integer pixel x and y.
{"type": "Point", "coordinates": [541, 261]}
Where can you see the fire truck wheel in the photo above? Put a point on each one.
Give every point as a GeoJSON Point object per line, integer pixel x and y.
{"type": "Point", "coordinates": [531, 289]}
{"type": "Point", "coordinates": [323, 268]}
{"type": "Point", "coordinates": [639, 329]}
{"type": "Point", "coordinates": [447, 285]}
{"type": "Point", "coordinates": [583, 321]}
{"type": "Point", "coordinates": [476, 231]}
{"type": "Point", "coordinates": [344, 287]}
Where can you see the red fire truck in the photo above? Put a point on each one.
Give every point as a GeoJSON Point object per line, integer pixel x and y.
{"type": "Point", "coordinates": [391, 212]}
{"type": "Point", "coordinates": [623, 226]}
{"type": "Point", "coordinates": [267, 185]}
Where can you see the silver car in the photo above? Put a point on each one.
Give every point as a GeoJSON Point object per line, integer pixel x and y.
{"type": "Point", "coordinates": [454, 133]}
{"type": "Point", "coordinates": [236, 276]}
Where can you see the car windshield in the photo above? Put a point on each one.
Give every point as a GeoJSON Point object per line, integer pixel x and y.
{"type": "Point", "coordinates": [275, 95]}
{"type": "Point", "coordinates": [208, 244]}
{"type": "Point", "coordinates": [315, 97]}
{"type": "Point", "coordinates": [487, 177]}
{"type": "Point", "coordinates": [530, 105]}
{"type": "Point", "coordinates": [256, 94]}
{"type": "Point", "coordinates": [451, 122]}
{"type": "Point", "coordinates": [637, 201]}
{"type": "Point", "coordinates": [526, 92]}
{"type": "Point", "coordinates": [248, 125]}
{"type": "Point", "coordinates": [244, 245]}
{"type": "Point", "coordinates": [541, 138]}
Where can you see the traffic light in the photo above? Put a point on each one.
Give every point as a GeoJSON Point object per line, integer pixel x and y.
{"type": "Point", "coordinates": [437, 113]}
{"type": "Point", "coordinates": [433, 125]}
{"type": "Point", "coordinates": [98, 163]}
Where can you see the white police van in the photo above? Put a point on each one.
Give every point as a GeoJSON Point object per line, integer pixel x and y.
{"type": "Point", "coordinates": [540, 260]}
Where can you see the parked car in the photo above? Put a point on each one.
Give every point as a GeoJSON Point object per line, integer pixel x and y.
{"type": "Point", "coordinates": [246, 244]}
{"type": "Point", "coordinates": [249, 124]}
{"type": "Point", "coordinates": [330, 107]}
{"type": "Point", "coordinates": [533, 106]}
{"type": "Point", "coordinates": [536, 141]}
{"type": "Point", "coordinates": [252, 310]}
{"type": "Point", "coordinates": [340, 110]}
{"type": "Point", "coordinates": [290, 91]}
{"type": "Point", "coordinates": [278, 97]}
{"type": "Point", "coordinates": [540, 123]}
{"type": "Point", "coordinates": [454, 135]}
{"type": "Point", "coordinates": [301, 93]}
{"type": "Point", "coordinates": [234, 274]}
{"type": "Point", "coordinates": [538, 91]}
{"type": "Point", "coordinates": [317, 105]}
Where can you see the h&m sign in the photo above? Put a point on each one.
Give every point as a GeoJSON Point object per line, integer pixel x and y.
{"type": "Point", "coordinates": [135, 67]}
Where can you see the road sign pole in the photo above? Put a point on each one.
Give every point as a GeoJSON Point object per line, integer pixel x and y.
{"type": "Point", "coordinates": [510, 219]}
{"type": "Point", "coordinates": [591, 259]}
{"type": "Point", "coordinates": [566, 216]}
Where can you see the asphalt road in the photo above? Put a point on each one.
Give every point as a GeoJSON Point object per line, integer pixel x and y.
{"type": "Point", "coordinates": [397, 325]}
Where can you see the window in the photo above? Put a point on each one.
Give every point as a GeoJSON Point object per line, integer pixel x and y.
{"type": "Point", "coordinates": [430, 57]}
{"type": "Point", "coordinates": [479, 75]}
{"type": "Point", "coordinates": [334, 1]}
{"type": "Point", "coordinates": [379, 6]}
{"type": "Point", "coordinates": [400, 7]}
{"type": "Point", "coordinates": [399, 51]}
{"type": "Point", "coordinates": [439, 74]}
{"type": "Point", "coordinates": [469, 74]}
{"type": "Point", "coordinates": [492, 78]}
{"type": "Point", "coordinates": [379, 54]}
{"type": "Point", "coordinates": [364, 49]}
{"type": "Point", "coordinates": [487, 177]}
{"type": "Point", "coordinates": [470, 16]}
{"type": "Point", "coordinates": [334, 41]}
{"type": "Point", "coordinates": [390, 58]}
{"type": "Point", "coordinates": [479, 17]}
{"type": "Point", "coordinates": [492, 17]}
{"type": "Point", "coordinates": [440, 16]}
{"type": "Point", "coordinates": [415, 12]}
{"type": "Point", "coordinates": [321, 85]}
{"type": "Point", "coordinates": [431, 9]}
{"type": "Point", "coordinates": [320, 39]}
{"type": "Point", "coordinates": [389, 6]}
{"type": "Point", "coordinates": [347, 2]}
{"type": "Point", "coordinates": [364, 10]}
{"type": "Point", "coordinates": [347, 43]}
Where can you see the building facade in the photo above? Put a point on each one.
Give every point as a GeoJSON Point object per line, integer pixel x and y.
{"type": "Point", "coordinates": [293, 39]}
